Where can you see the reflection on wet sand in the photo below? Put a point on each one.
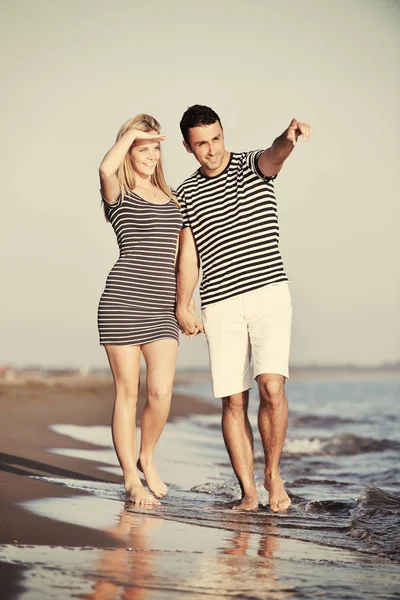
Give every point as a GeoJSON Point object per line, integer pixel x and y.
{"type": "Point", "coordinates": [154, 558]}
{"type": "Point", "coordinates": [126, 572]}
{"type": "Point", "coordinates": [244, 564]}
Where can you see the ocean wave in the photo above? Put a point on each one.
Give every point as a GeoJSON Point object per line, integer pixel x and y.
{"type": "Point", "coordinates": [218, 489]}
{"type": "Point", "coordinates": [343, 444]}
{"type": "Point", "coordinates": [230, 491]}
{"type": "Point", "coordinates": [332, 507]}
{"type": "Point", "coordinates": [307, 481]}
{"type": "Point", "coordinates": [320, 420]}
{"type": "Point", "coordinates": [389, 476]}
{"type": "Point", "coordinates": [102, 489]}
{"type": "Point", "coordinates": [376, 520]}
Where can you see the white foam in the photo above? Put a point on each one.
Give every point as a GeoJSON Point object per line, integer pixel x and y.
{"type": "Point", "coordinates": [102, 489]}
{"type": "Point", "coordinates": [186, 453]}
{"type": "Point", "coordinates": [303, 446]}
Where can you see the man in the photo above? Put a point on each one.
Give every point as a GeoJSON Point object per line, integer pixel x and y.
{"type": "Point", "coordinates": [231, 225]}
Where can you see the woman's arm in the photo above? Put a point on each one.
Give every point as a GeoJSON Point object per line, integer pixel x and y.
{"type": "Point", "coordinates": [188, 273]}
{"type": "Point", "coordinates": [192, 304]}
{"type": "Point", "coordinates": [114, 158]}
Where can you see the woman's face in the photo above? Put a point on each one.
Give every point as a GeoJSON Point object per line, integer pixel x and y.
{"type": "Point", "coordinates": [145, 155]}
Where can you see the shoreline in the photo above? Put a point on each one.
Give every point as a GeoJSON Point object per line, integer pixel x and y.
{"type": "Point", "coordinates": [30, 408]}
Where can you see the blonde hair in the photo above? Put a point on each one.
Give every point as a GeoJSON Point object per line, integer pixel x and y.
{"type": "Point", "coordinates": [126, 174]}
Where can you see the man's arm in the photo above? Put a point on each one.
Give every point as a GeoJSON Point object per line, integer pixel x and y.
{"type": "Point", "coordinates": [272, 159]}
{"type": "Point", "coordinates": [187, 276]}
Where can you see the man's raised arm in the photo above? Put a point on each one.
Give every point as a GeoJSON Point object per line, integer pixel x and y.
{"type": "Point", "coordinates": [272, 159]}
{"type": "Point", "coordinates": [187, 277]}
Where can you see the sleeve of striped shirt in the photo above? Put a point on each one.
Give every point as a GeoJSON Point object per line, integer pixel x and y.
{"type": "Point", "coordinates": [252, 163]}
{"type": "Point", "coordinates": [180, 194]}
{"type": "Point", "coordinates": [114, 204]}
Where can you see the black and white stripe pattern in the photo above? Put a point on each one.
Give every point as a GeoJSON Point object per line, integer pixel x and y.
{"type": "Point", "coordinates": [234, 221]}
{"type": "Point", "coordinates": [138, 303]}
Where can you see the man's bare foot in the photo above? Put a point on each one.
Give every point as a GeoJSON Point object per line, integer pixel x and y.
{"type": "Point", "coordinates": [248, 502]}
{"type": "Point", "coordinates": [279, 501]}
{"type": "Point", "coordinates": [139, 496]}
{"type": "Point", "coordinates": [153, 480]}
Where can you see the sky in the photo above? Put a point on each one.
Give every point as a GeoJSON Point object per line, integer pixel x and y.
{"type": "Point", "coordinates": [73, 71]}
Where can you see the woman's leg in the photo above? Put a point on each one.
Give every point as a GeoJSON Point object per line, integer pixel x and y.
{"type": "Point", "coordinates": [125, 364]}
{"type": "Point", "coordinates": [160, 359]}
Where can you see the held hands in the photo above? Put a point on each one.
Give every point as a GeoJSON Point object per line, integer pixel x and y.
{"type": "Point", "coordinates": [189, 323]}
{"type": "Point", "coordinates": [296, 129]}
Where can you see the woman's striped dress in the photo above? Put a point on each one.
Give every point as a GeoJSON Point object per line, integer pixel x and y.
{"type": "Point", "coordinates": [138, 303]}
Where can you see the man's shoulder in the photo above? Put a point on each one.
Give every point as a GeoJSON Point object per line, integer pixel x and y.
{"type": "Point", "coordinates": [246, 155]}
{"type": "Point", "coordinates": [242, 161]}
{"type": "Point", "coordinates": [186, 183]}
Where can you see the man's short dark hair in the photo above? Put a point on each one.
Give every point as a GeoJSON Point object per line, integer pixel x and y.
{"type": "Point", "coordinates": [197, 115]}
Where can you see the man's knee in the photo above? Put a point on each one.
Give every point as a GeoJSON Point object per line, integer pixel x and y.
{"type": "Point", "coordinates": [272, 390]}
{"type": "Point", "coordinates": [236, 405]}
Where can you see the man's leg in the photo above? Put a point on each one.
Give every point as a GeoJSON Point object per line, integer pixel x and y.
{"type": "Point", "coordinates": [270, 309]}
{"type": "Point", "coordinates": [229, 348]}
{"type": "Point", "coordinates": [238, 438]}
{"type": "Point", "coordinates": [272, 424]}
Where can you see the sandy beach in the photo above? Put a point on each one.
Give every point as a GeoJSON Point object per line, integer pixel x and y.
{"type": "Point", "coordinates": [65, 530]}
{"type": "Point", "coordinates": [28, 409]}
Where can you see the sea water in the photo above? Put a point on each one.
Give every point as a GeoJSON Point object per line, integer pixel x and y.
{"type": "Point", "coordinates": [342, 470]}
{"type": "Point", "coordinates": [340, 462]}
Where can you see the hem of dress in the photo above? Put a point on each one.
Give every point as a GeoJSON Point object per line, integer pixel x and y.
{"type": "Point", "coordinates": [164, 337]}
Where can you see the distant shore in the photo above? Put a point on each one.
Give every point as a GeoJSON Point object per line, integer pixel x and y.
{"type": "Point", "coordinates": [55, 376]}
{"type": "Point", "coordinates": [343, 372]}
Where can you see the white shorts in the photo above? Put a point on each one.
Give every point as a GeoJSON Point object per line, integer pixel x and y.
{"type": "Point", "coordinates": [257, 324]}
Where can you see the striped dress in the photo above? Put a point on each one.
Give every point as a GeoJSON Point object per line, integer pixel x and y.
{"type": "Point", "coordinates": [138, 302]}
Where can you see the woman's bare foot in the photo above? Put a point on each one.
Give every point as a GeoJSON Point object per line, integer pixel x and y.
{"type": "Point", "coordinates": [139, 496]}
{"type": "Point", "coordinates": [248, 502]}
{"type": "Point", "coordinates": [153, 480]}
{"type": "Point", "coordinates": [279, 501]}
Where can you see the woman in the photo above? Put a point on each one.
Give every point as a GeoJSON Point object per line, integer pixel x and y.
{"type": "Point", "coordinates": [136, 310]}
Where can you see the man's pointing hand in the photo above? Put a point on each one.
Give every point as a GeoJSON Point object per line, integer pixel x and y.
{"type": "Point", "coordinates": [296, 129]}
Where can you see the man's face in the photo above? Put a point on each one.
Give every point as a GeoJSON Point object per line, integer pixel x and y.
{"type": "Point", "coordinates": [207, 144]}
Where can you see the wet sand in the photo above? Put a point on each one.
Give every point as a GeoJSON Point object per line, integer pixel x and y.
{"type": "Point", "coordinates": [28, 409]}
{"type": "Point", "coordinates": [107, 550]}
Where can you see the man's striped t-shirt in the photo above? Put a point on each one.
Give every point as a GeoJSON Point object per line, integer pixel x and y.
{"type": "Point", "coordinates": [234, 221]}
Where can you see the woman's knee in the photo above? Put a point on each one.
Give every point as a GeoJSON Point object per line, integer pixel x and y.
{"type": "Point", "coordinates": [126, 395]}
{"type": "Point", "coordinates": [159, 395]}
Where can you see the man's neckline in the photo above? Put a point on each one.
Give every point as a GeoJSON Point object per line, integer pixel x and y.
{"type": "Point", "coordinates": [219, 174]}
